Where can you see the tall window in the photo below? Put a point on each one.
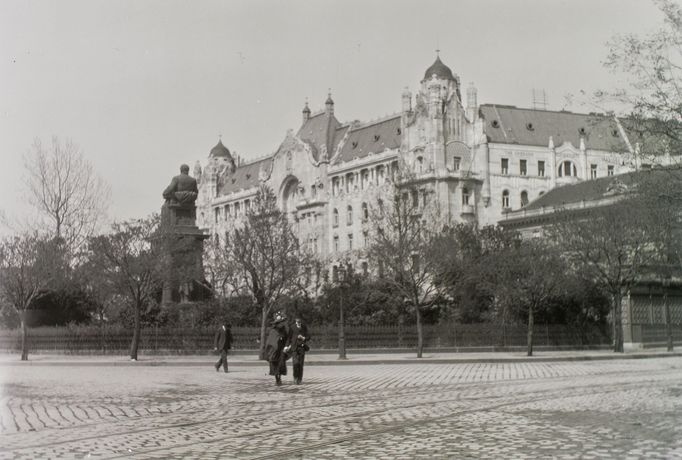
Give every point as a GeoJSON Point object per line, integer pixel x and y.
{"type": "Point", "coordinates": [524, 198]}
{"type": "Point", "coordinates": [505, 199]}
{"type": "Point", "coordinates": [335, 186]}
{"type": "Point", "coordinates": [335, 274]}
{"type": "Point", "coordinates": [465, 196]}
{"type": "Point", "coordinates": [420, 165]}
{"type": "Point", "coordinates": [609, 170]}
{"type": "Point", "coordinates": [365, 237]}
{"type": "Point", "coordinates": [216, 214]}
{"type": "Point", "coordinates": [365, 212]}
{"type": "Point", "coordinates": [336, 243]}
{"type": "Point", "coordinates": [415, 199]}
{"type": "Point", "coordinates": [349, 215]}
{"type": "Point", "coordinates": [505, 166]}
{"type": "Point", "coordinates": [522, 167]}
{"type": "Point", "coordinates": [364, 178]}
{"type": "Point", "coordinates": [335, 217]}
{"type": "Point", "coordinates": [541, 168]}
{"type": "Point", "coordinates": [456, 161]}
{"type": "Point", "coordinates": [350, 241]}
{"type": "Point", "coordinates": [365, 268]}
{"type": "Point", "coordinates": [593, 171]}
{"type": "Point", "coordinates": [567, 169]}
{"type": "Point", "coordinates": [226, 212]}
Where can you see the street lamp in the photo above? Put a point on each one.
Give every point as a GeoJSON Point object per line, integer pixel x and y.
{"type": "Point", "coordinates": [666, 306]}
{"type": "Point", "coordinates": [343, 273]}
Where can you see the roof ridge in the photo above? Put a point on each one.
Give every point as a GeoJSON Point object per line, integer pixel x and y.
{"type": "Point", "coordinates": [256, 160]}
{"type": "Point", "coordinates": [376, 122]}
{"type": "Point", "coordinates": [504, 106]}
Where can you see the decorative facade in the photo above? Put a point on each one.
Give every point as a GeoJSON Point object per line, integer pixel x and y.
{"type": "Point", "coordinates": [478, 161]}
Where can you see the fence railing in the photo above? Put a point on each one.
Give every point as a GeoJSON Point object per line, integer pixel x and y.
{"type": "Point", "coordinates": [91, 339]}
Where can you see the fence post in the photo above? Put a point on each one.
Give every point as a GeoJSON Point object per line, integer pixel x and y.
{"type": "Point", "coordinates": [401, 320]}
{"type": "Point", "coordinates": [546, 334]}
{"type": "Point", "coordinates": [454, 334]}
{"type": "Point", "coordinates": [504, 336]}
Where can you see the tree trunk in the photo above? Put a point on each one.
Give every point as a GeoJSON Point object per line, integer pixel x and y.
{"type": "Point", "coordinates": [618, 323]}
{"type": "Point", "coordinates": [24, 342]}
{"type": "Point", "coordinates": [420, 334]}
{"type": "Point", "coordinates": [531, 322]}
{"type": "Point", "coordinates": [668, 321]}
{"type": "Point", "coordinates": [136, 335]}
{"type": "Point", "coordinates": [342, 331]}
{"type": "Point", "coordinates": [263, 323]}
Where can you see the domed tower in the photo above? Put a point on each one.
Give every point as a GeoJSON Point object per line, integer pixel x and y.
{"type": "Point", "coordinates": [220, 162]}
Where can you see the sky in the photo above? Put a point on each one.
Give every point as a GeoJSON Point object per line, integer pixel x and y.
{"type": "Point", "coordinates": [144, 86]}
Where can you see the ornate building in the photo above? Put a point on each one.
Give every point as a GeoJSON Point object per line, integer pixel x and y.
{"type": "Point", "coordinates": [478, 161]}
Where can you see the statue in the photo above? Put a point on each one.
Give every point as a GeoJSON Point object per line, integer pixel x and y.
{"type": "Point", "coordinates": [182, 189]}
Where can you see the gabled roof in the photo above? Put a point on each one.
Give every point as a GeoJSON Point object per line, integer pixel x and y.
{"type": "Point", "coordinates": [510, 125]}
{"type": "Point", "coordinates": [373, 137]}
{"type": "Point", "coordinates": [320, 130]}
{"type": "Point", "coordinates": [245, 176]}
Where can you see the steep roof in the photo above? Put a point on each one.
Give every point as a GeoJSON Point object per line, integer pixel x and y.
{"type": "Point", "coordinates": [245, 176]}
{"type": "Point", "coordinates": [589, 190]}
{"type": "Point", "coordinates": [372, 137]}
{"type": "Point", "coordinates": [320, 130]}
{"type": "Point", "coordinates": [510, 125]}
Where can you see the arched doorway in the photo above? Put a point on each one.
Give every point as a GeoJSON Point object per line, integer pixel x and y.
{"type": "Point", "coordinates": [289, 195]}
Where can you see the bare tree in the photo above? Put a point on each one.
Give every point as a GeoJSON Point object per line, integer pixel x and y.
{"type": "Point", "coordinates": [611, 245]}
{"type": "Point", "coordinates": [29, 266]}
{"type": "Point", "coordinates": [133, 258]}
{"type": "Point", "coordinates": [65, 190]}
{"type": "Point", "coordinates": [402, 247]}
{"type": "Point", "coordinates": [263, 256]}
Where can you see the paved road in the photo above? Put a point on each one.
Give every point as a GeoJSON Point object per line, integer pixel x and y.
{"type": "Point", "coordinates": [607, 409]}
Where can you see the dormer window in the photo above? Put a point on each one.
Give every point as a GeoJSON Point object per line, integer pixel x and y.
{"type": "Point", "coordinates": [530, 127]}
{"type": "Point", "coordinates": [495, 124]}
{"type": "Point", "coordinates": [376, 137]}
{"type": "Point", "coordinates": [582, 131]}
{"type": "Point", "coordinates": [354, 144]}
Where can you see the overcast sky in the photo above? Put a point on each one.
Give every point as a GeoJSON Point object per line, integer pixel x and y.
{"type": "Point", "coordinates": [143, 86]}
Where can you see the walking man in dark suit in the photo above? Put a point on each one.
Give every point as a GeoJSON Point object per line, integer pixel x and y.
{"type": "Point", "coordinates": [223, 342]}
{"type": "Point", "coordinates": [298, 343]}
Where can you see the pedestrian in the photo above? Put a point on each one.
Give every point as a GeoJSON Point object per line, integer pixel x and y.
{"type": "Point", "coordinates": [222, 343]}
{"type": "Point", "coordinates": [278, 336]}
{"type": "Point", "coordinates": [299, 346]}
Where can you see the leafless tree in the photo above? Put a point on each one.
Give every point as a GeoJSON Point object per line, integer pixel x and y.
{"type": "Point", "coordinates": [404, 229]}
{"type": "Point", "coordinates": [262, 256]}
{"type": "Point", "coordinates": [611, 245]}
{"type": "Point", "coordinates": [65, 190]}
{"type": "Point", "coordinates": [133, 259]}
{"type": "Point", "coordinates": [29, 266]}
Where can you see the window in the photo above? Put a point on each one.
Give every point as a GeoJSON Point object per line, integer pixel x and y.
{"type": "Point", "coordinates": [365, 238]}
{"type": "Point", "coordinates": [349, 183]}
{"type": "Point", "coordinates": [415, 199]}
{"type": "Point", "coordinates": [335, 217]}
{"type": "Point", "coordinates": [522, 167]}
{"type": "Point", "coordinates": [365, 212]}
{"type": "Point", "coordinates": [609, 170]}
{"type": "Point", "coordinates": [313, 191]}
{"type": "Point", "coordinates": [364, 179]}
{"type": "Point", "coordinates": [335, 274]}
{"type": "Point", "coordinates": [465, 196]}
{"type": "Point", "coordinates": [216, 239]}
{"type": "Point", "coordinates": [226, 212]}
{"type": "Point", "coordinates": [380, 174]}
{"type": "Point", "coordinates": [350, 241]}
{"type": "Point", "coordinates": [505, 166]}
{"type": "Point", "coordinates": [315, 245]}
{"type": "Point", "coordinates": [505, 199]}
{"type": "Point", "coordinates": [336, 243]}
{"type": "Point", "coordinates": [541, 168]}
{"type": "Point", "coordinates": [236, 209]}
{"type": "Point", "coordinates": [335, 186]}
{"type": "Point", "coordinates": [349, 215]}
{"type": "Point", "coordinates": [567, 169]}
{"type": "Point", "coordinates": [593, 171]}
{"type": "Point", "coordinates": [365, 268]}
{"type": "Point", "coordinates": [524, 198]}
{"type": "Point", "coordinates": [216, 213]}
{"type": "Point", "coordinates": [420, 165]}
{"type": "Point", "coordinates": [456, 161]}
{"type": "Point", "coordinates": [247, 205]}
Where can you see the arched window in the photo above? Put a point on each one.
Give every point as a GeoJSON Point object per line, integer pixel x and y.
{"type": "Point", "coordinates": [505, 199]}
{"type": "Point", "coordinates": [365, 212]}
{"type": "Point", "coordinates": [524, 198]}
{"type": "Point", "coordinates": [542, 192]}
{"type": "Point", "coordinates": [349, 215]}
{"type": "Point", "coordinates": [465, 196]}
{"type": "Point", "coordinates": [335, 217]}
{"type": "Point", "coordinates": [226, 212]}
{"type": "Point", "coordinates": [568, 169]}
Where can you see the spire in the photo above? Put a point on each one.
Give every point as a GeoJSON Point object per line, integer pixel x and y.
{"type": "Point", "coordinates": [329, 104]}
{"type": "Point", "coordinates": [306, 111]}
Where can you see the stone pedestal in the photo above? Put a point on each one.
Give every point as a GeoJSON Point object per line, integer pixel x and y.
{"type": "Point", "coordinates": [185, 241]}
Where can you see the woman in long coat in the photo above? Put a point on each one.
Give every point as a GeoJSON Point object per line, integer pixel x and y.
{"type": "Point", "coordinates": [278, 336]}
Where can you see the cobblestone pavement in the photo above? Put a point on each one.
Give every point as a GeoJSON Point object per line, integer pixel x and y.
{"type": "Point", "coordinates": [609, 409]}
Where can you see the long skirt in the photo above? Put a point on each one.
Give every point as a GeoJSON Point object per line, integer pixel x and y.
{"type": "Point", "coordinates": [278, 367]}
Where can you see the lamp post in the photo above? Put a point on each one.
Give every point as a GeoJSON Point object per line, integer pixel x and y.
{"type": "Point", "coordinates": [666, 306]}
{"type": "Point", "coordinates": [342, 332]}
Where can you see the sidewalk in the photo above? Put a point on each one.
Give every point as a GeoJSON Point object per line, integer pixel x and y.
{"type": "Point", "coordinates": [331, 358]}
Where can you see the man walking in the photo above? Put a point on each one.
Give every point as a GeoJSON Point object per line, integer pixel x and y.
{"type": "Point", "coordinates": [223, 342]}
{"type": "Point", "coordinates": [299, 345]}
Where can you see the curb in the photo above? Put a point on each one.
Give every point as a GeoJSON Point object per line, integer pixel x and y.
{"type": "Point", "coordinates": [350, 362]}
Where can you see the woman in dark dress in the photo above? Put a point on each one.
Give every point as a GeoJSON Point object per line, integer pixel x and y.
{"type": "Point", "coordinates": [278, 337]}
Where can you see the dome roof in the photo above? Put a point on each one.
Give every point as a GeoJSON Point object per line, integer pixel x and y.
{"type": "Point", "coordinates": [220, 151]}
{"type": "Point", "coordinates": [440, 69]}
